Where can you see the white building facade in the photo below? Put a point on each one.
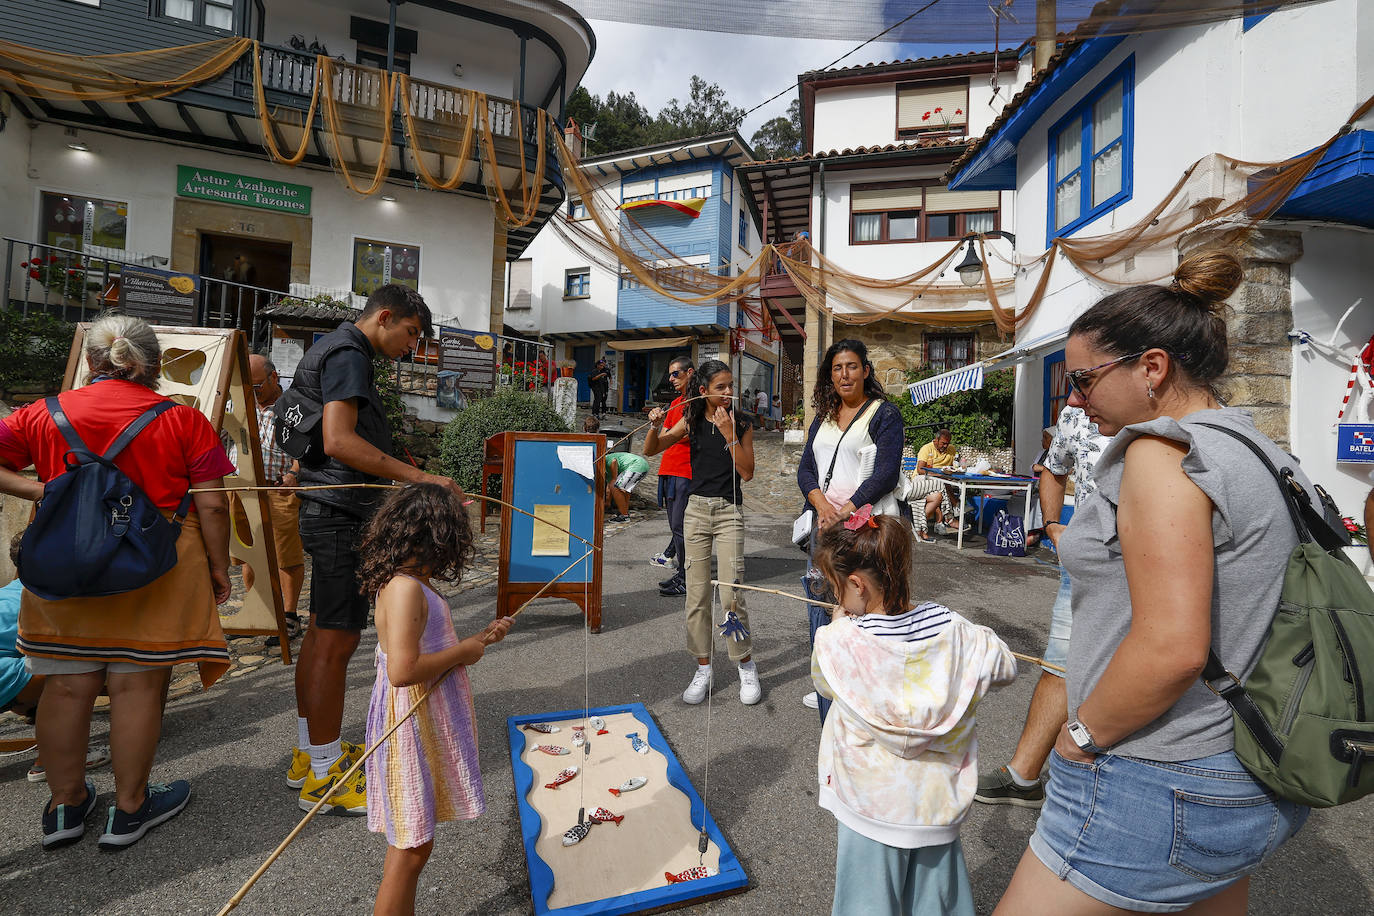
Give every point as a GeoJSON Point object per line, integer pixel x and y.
{"type": "Point", "coordinates": [1101, 137]}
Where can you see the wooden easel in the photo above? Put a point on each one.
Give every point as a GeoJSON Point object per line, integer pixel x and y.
{"type": "Point", "coordinates": [527, 485]}
{"type": "Point", "coordinates": [207, 368]}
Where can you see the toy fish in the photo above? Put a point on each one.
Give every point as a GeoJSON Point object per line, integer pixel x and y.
{"type": "Point", "coordinates": [577, 833]}
{"type": "Point", "coordinates": [542, 727]}
{"type": "Point", "coordinates": [629, 785]}
{"type": "Point", "coordinates": [579, 737]}
{"type": "Point", "coordinates": [696, 872]}
{"type": "Point", "coordinates": [604, 816]}
{"type": "Point", "coordinates": [565, 776]}
{"type": "Point", "coordinates": [599, 724]}
{"type": "Point", "coordinates": [733, 627]}
{"type": "Point", "coordinates": [552, 749]}
{"type": "Point", "coordinates": [636, 742]}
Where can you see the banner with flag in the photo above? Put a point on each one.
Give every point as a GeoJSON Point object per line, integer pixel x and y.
{"type": "Point", "coordinates": [965, 379]}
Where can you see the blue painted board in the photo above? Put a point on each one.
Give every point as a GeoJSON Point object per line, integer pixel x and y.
{"type": "Point", "coordinates": [539, 479]}
{"type": "Point", "coordinates": [731, 877]}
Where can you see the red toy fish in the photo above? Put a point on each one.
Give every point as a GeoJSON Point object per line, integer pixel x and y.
{"type": "Point", "coordinates": [553, 750]}
{"type": "Point", "coordinates": [565, 776]}
{"type": "Point", "coordinates": [696, 872]}
{"type": "Point", "coordinates": [603, 816]}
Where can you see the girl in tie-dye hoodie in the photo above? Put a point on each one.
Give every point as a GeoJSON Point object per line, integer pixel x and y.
{"type": "Point", "coordinates": [898, 761]}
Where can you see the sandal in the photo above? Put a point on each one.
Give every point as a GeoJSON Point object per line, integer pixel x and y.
{"type": "Point", "coordinates": [97, 756]}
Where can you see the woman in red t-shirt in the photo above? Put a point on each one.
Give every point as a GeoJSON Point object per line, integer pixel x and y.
{"type": "Point", "coordinates": [127, 642]}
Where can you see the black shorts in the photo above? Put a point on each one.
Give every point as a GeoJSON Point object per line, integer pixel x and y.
{"type": "Point", "coordinates": [331, 536]}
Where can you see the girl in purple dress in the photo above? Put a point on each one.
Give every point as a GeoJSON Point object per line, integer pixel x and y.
{"type": "Point", "coordinates": [427, 771]}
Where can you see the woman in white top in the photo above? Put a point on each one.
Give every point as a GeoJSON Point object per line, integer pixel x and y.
{"type": "Point", "coordinates": [853, 454]}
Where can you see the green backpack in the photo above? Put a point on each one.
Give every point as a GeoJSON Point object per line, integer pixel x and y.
{"type": "Point", "coordinates": [1305, 716]}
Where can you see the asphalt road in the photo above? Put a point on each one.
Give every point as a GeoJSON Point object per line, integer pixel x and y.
{"type": "Point", "coordinates": [233, 743]}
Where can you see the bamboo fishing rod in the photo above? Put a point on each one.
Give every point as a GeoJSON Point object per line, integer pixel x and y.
{"type": "Point", "coordinates": [825, 604]}
{"type": "Point", "coordinates": [388, 486]}
{"type": "Point", "coordinates": [235, 900]}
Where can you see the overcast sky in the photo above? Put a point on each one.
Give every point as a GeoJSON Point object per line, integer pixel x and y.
{"type": "Point", "coordinates": [657, 64]}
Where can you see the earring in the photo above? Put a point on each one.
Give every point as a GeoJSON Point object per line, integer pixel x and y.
{"type": "Point", "coordinates": [1150, 390]}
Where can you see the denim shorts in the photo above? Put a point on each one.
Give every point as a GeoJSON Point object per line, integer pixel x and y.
{"type": "Point", "coordinates": [1061, 626]}
{"type": "Point", "coordinates": [1158, 837]}
{"type": "Point", "coordinates": [331, 536]}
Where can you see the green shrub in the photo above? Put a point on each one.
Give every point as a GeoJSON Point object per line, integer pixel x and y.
{"type": "Point", "coordinates": [465, 436]}
{"type": "Point", "coordinates": [384, 374]}
{"type": "Point", "coordinates": [33, 350]}
{"type": "Point", "coordinates": [976, 419]}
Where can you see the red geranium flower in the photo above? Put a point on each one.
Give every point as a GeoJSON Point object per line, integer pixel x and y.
{"type": "Point", "coordinates": [1350, 525]}
{"type": "Point", "coordinates": [926, 116]}
{"type": "Point", "coordinates": [34, 274]}
{"type": "Point", "coordinates": [958, 111]}
{"type": "Point", "coordinates": [938, 110]}
{"type": "Point", "coordinates": [52, 259]}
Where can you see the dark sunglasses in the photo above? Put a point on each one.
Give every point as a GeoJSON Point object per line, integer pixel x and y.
{"type": "Point", "coordinates": [676, 372]}
{"type": "Point", "coordinates": [1081, 380]}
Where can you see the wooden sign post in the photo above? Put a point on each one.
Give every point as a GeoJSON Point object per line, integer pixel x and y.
{"type": "Point", "coordinates": [207, 368]}
{"type": "Point", "coordinates": [559, 478]}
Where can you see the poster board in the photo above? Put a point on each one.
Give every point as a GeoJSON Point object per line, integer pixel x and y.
{"type": "Point", "coordinates": [207, 368]}
{"type": "Point", "coordinates": [545, 474]}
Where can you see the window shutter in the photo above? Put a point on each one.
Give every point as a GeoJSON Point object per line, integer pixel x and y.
{"type": "Point", "coordinates": [521, 282]}
{"type": "Point", "coordinates": [915, 100]}
{"type": "Point", "coordinates": [886, 199]}
{"type": "Point", "coordinates": [939, 200]}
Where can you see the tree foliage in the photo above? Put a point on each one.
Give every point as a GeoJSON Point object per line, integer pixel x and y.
{"type": "Point", "coordinates": [622, 122]}
{"type": "Point", "coordinates": [33, 351]}
{"type": "Point", "coordinates": [780, 137]}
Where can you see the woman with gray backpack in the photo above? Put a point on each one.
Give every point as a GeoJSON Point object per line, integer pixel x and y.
{"type": "Point", "coordinates": [1148, 806]}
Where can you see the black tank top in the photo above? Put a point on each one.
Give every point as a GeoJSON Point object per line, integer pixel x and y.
{"type": "Point", "coordinates": [713, 470]}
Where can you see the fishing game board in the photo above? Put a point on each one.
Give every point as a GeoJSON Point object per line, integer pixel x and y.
{"type": "Point", "coordinates": [641, 836]}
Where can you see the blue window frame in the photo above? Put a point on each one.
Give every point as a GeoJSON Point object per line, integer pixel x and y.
{"type": "Point", "coordinates": [743, 230]}
{"type": "Point", "coordinates": [1249, 22]}
{"type": "Point", "coordinates": [577, 283]}
{"type": "Point", "coordinates": [1056, 387]}
{"type": "Point", "coordinates": [1091, 151]}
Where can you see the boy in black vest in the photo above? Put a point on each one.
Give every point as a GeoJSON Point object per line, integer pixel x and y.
{"type": "Point", "coordinates": [337, 372]}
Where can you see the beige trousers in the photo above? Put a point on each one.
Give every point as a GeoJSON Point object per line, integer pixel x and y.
{"type": "Point", "coordinates": [713, 521]}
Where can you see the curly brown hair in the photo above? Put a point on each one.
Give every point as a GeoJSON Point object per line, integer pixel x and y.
{"type": "Point", "coordinates": [420, 527]}
{"type": "Point", "coordinates": [825, 400]}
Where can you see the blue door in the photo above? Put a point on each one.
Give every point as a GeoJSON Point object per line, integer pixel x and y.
{"type": "Point", "coordinates": [585, 359]}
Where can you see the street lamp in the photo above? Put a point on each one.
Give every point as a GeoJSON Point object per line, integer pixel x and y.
{"type": "Point", "coordinates": [970, 269]}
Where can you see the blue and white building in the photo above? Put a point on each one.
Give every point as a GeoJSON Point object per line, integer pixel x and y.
{"type": "Point", "coordinates": [1099, 137]}
{"type": "Point", "coordinates": [569, 289]}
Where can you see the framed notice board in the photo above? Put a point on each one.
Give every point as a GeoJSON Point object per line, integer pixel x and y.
{"type": "Point", "coordinates": [559, 477]}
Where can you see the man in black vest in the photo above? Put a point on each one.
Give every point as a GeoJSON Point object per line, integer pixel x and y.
{"type": "Point", "coordinates": [337, 372]}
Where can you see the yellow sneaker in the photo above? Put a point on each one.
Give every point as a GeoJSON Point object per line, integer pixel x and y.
{"type": "Point", "coordinates": [349, 801]}
{"type": "Point", "coordinates": [300, 763]}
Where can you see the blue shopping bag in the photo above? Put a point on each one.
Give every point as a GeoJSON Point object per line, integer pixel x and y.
{"type": "Point", "coordinates": [1008, 536]}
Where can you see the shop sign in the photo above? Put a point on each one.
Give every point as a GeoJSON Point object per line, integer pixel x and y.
{"type": "Point", "coordinates": [471, 355]}
{"type": "Point", "coordinates": [1355, 442]}
{"type": "Point", "coordinates": [160, 296]}
{"type": "Point", "coordinates": [244, 190]}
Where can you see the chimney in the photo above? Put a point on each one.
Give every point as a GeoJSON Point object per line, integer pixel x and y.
{"type": "Point", "coordinates": [1044, 33]}
{"type": "Point", "coordinates": [572, 137]}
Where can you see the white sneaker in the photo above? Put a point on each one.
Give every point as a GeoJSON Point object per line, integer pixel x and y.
{"type": "Point", "coordinates": [749, 690]}
{"type": "Point", "coordinates": [939, 528]}
{"type": "Point", "coordinates": [701, 683]}
{"type": "Point", "coordinates": [659, 559]}
{"type": "Point", "coordinates": [812, 700]}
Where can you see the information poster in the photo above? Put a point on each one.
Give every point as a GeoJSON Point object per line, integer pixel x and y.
{"type": "Point", "coordinates": [547, 540]}
{"type": "Point", "coordinates": [378, 263]}
{"type": "Point", "coordinates": [78, 222]}
{"type": "Point", "coordinates": [471, 355]}
{"type": "Point", "coordinates": [159, 296]}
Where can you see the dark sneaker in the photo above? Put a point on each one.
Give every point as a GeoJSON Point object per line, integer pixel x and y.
{"type": "Point", "coordinates": [162, 803]}
{"type": "Point", "coordinates": [66, 824]}
{"type": "Point", "coordinates": [673, 590]}
{"type": "Point", "coordinates": [998, 788]}
{"type": "Point", "coordinates": [618, 518]}
{"type": "Point", "coordinates": [674, 579]}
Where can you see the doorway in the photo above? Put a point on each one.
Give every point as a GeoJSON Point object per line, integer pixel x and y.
{"type": "Point", "coordinates": [230, 262]}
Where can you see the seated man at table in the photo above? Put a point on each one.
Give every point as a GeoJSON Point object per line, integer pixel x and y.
{"type": "Point", "coordinates": [940, 454]}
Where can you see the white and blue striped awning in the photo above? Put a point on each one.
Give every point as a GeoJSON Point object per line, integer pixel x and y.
{"type": "Point", "coordinates": [965, 379]}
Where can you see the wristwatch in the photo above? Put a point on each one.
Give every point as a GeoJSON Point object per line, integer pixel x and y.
{"type": "Point", "coordinates": [1084, 738]}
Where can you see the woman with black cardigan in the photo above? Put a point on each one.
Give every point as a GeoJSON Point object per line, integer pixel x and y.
{"type": "Point", "coordinates": [853, 454]}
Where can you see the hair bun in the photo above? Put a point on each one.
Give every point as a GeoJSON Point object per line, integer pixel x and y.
{"type": "Point", "coordinates": [1209, 277]}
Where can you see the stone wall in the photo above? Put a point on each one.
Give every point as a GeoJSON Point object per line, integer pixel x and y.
{"type": "Point", "coordinates": [897, 346]}
{"type": "Point", "coordinates": [423, 439]}
{"type": "Point", "coordinates": [1261, 315]}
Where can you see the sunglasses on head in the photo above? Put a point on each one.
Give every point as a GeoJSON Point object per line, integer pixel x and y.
{"type": "Point", "coordinates": [1081, 380]}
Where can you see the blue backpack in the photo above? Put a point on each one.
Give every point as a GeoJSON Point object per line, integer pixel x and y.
{"type": "Point", "coordinates": [95, 532]}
